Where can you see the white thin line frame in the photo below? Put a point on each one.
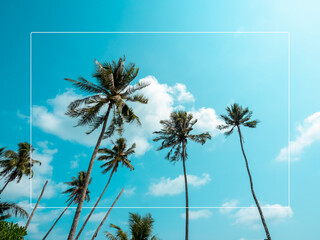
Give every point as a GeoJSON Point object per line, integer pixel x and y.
{"type": "Point", "coordinates": [186, 32]}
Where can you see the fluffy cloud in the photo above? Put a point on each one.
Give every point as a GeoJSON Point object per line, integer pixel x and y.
{"type": "Point", "coordinates": [250, 216]}
{"type": "Point", "coordinates": [182, 95]}
{"type": "Point", "coordinates": [201, 214]}
{"type": "Point", "coordinates": [207, 120]}
{"type": "Point", "coordinates": [129, 191]}
{"type": "Point", "coordinates": [163, 99]}
{"type": "Point", "coordinates": [308, 133]}
{"type": "Point", "coordinates": [168, 186]}
{"type": "Point", "coordinates": [75, 163]}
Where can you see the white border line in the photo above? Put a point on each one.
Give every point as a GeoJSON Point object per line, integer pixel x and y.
{"type": "Point", "coordinates": [289, 106]}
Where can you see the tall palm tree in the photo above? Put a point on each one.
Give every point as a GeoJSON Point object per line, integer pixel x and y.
{"type": "Point", "coordinates": [114, 157]}
{"type": "Point", "coordinates": [106, 216]}
{"type": "Point", "coordinates": [175, 135]}
{"type": "Point", "coordinates": [15, 165]}
{"type": "Point", "coordinates": [112, 91]}
{"type": "Point", "coordinates": [8, 209]}
{"type": "Point", "coordinates": [75, 190]}
{"type": "Point", "coordinates": [236, 117]}
{"type": "Point", "coordinates": [140, 228]}
{"type": "Point", "coordinates": [36, 206]}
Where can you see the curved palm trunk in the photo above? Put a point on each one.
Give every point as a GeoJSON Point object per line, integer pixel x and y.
{"type": "Point", "coordinates": [104, 219]}
{"type": "Point", "coordinates": [252, 191]}
{"type": "Point", "coordinates": [4, 187]}
{"type": "Point", "coordinates": [84, 224]}
{"type": "Point", "coordinates": [186, 190]}
{"type": "Point", "coordinates": [34, 209]}
{"type": "Point", "coordinates": [76, 218]}
{"type": "Point", "coordinates": [56, 221]}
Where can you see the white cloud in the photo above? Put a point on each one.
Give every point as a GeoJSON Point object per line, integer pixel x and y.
{"type": "Point", "coordinates": [309, 132]}
{"type": "Point", "coordinates": [75, 163]}
{"type": "Point", "coordinates": [168, 186]}
{"type": "Point", "coordinates": [180, 92]}
{"type": "Point", "coordinates": [129, 191]}
{"type": "Point", "coordinates": [207, 120]}
{"type": "Point", "coordinates": [227, 207]}
{"type": "Point", "coordinates": [273, 213]}
{"type": "Point", "coordinates": [194, 215]}
{"type": "Point", "coordinates": [97, 217]}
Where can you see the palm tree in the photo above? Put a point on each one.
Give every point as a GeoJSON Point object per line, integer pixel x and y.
{"type": "Point", "coordinates": [140, 228]}
{"type": "Point", "coordinates": [106, 216]}
{"type": "Point", "coordinates": [112, 90]}
{"type": "Point", "coordinates": [15, 165]}
{"type": "Point", "coordinates": [35, 208]}
{"type": "Point", "coordinates": [75, 190]}
{"type": "Point", "coordinates": [113, 157]}
{"type": "Point", "coordinates": [175, 135]}
{"type": "Point", "coordinates": [8, 209]}
{"type": "Point", "coordinates": [236, 117]}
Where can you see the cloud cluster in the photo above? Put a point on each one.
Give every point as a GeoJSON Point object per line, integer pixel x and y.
{"type": "Point", "coordinates": [308, 133]}
{"type": "Point", "coordinates": [250, 216]}
{"type": "Point", "coordinates": [163, 99]}
{"type": "Point", "coordinates": [168, 186]}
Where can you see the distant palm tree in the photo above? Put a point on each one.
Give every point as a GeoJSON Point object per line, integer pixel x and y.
{"type": "Point", "coordinates": [113, 90]}
{"type": "Point", "coordinates": [8, 209]}
{"type": "Point", "coordinates": [140, 229]}
{"type": "Point", "coordinates": [76, 186]}
{"type": "Point", "coordinates": [175, 135]}
{"type": "Point", "coordinates": [236, 117]}
{"type": "Point", "coordinates": [113, 157]}
{"type": "Point", "coordinates": [15, 165]}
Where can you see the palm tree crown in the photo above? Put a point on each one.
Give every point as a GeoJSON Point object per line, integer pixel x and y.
{"type": "Point", "coordinates": [112, 89]}
{"type": "Point", "coordinates": [175, 134]}
{"type": "Point", "coordinates": [236, 116]}
{"type": "Point", "coordinates": [76, 186]}
{"type": "Point", "coordinates": [17, 164]}
{"type": "Point", "coordinates": [8, 209]}
{"type": "Point", "coordinates": [117, 155]}
{"type": "Point", "coordinates": [140, 228]}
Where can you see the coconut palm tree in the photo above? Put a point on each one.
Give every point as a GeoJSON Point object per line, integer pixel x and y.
{"type": "Point", "coordinates": [114, 157]}
{"type": "Point", "coordinates": [175, 135]}
{"type": "Point", "coordinates": [112, 91]}
{"type": "Point", "coordinates": [140, 228]}
{"type": "Point", "coordinates": [236, 117]}
{"type": "Point", "coordinates": [15, 165]}
{"type": "Point", "coordinates": [8, 209]}
{"type": "Point", "coordinates": [36, 206]}
{"type": "Point", "coordinates": [75, 190]}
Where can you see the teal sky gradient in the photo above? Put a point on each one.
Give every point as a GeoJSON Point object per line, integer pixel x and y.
{"type": "Point", "coordinates": [217, 69]}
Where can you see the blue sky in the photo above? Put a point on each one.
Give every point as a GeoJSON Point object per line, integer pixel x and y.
{"type": "Point", "coordinates": [202, 73]}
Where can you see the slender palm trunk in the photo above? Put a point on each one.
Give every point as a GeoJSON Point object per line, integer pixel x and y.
{"type": "Point", "coordinates": [34, 209]}
{"type": "Point", "coordinates": [76, 218]}
{"type": "Point", "coordinates": [252, 191]}
{"type": "Point", "coordinates": [104, 219]}
{"type": "Point", "coordinates": [186, 190]}
{"type": "Point", "coordinates": [56, 221]}
{"type": "Point", "coordinates": [4, 187]}
{"type": "Point", "coordinates": [84, 224]}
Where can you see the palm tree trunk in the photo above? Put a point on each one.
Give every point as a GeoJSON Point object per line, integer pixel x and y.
{"type": "Point", "coordinates": [4, 187]}
{"type": "Point", "coordinates": [56, 221]}
{"type": "Point", "coordinates": [252, 191]}
{"type": "Point", "coordinates": [76, 218]}
{"type": "Point", "coordinates": [34, 209]}
{"type": "Point", "coordinates": [104, 219]}
{"type": "Point", "coordinates": [186, 190]}
{"type": "Point", "coordinates": [84, 224]}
